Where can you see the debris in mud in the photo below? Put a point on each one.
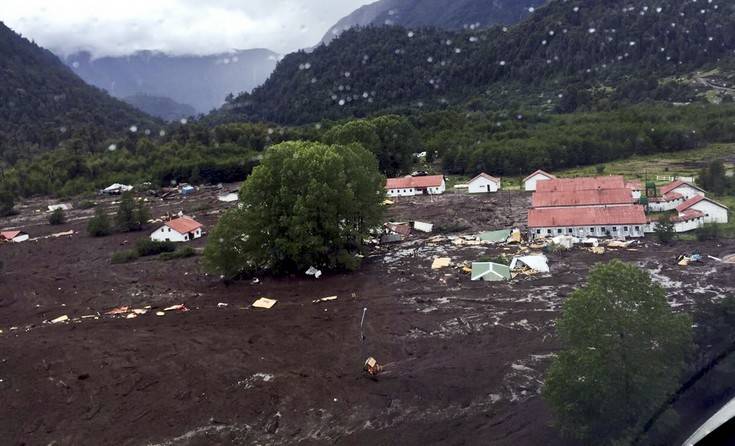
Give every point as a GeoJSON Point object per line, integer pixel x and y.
{"type": "Point", "coordinates": [264, 303]}
{"type": "Point", "coordinates": [179, 307]}
{"type": "Point", "coordinates": [490, 272]}
{"type": "Point", "coordinates": [372, 367]}
{"type": "Point", "coordinates": [538, 263]}
{"type": "Point", "coordinates": [116, 311]}
{"type": "Point", "coordinates": [324, 299]}
{"type": "Point", "coordinates": [423, 227]}
{"type": "Point", "coordinates": [441, 262]}
{"type": "Point", "coordinates": [314, 272]}
{"type": "Point", "coordinates": [60, 319]}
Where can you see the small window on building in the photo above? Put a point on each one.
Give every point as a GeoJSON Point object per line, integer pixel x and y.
{"type": "Point", "coordinates": [625, 228]}
{"type": "Point", "coordinates": [559, 231]}
{"type": "Point", "coordinates": [538, 231]}
{"type": "Point", "coordinates": [592, 230]}
{"type": "Point", "coordinates": [615, 229]}
{"type": "Point", "coordinates": [548, 231]}
{"type": "Point", "coordinates": [570, 230]}
{"type": "Point", "coordinates": [637, 228]}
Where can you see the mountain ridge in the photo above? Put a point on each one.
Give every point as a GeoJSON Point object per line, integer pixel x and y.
{"type": "Point", "coordinates": [562, 44]}
{"type": "Point", "coordinates": [45, 103]}
{"type": "Point", "coordinates": [456, 14]}
{"type": "Point", "coordinates": [202, 82]}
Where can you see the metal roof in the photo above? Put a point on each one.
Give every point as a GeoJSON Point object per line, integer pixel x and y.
{"type": "Point", "coordinates": [586, 216]}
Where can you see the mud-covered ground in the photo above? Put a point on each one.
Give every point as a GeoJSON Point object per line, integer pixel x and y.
{"type": "Point", "coordinates": [464, 360]}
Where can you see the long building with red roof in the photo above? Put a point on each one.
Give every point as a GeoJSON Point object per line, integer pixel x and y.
{"type": "Point", "coordinates": [415, 185]}
{"type": "Point", "coordinates": [613, 221]}
{"type": "Point", "coordinates": [586, 207]}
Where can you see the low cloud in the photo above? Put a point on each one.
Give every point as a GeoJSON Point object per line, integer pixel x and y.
{"type": "Point", "coordinates": [175, 26]}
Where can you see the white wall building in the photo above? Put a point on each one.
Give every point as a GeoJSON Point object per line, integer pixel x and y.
{"type": "Point", "coordinates": [686, 190]}
{"type": "Point", "coordinates": [713, 211]}
{"type": "Point", "coordinates": [182, 229]}
{"type": "Point", "coordinates": [529, 183]}
{"type": "Point", "coordinates": [410, 186]}
{"type": "Point", "coordinates": [483, 184]}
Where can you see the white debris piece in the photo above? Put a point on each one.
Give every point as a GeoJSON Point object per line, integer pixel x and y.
{"type": "Point", "coordinates": [537, 263]}
{"type": "Point", "coordinates": [317, 273]}
{"type": "Point", "coordinates": [423, 227]}
{"type": "Point", "coordinates": [228, 198]}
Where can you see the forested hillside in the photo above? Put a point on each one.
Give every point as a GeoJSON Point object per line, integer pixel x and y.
{"type": "Point", "coordinates": [565, 53]}
{"type": "Point", "coordinates": [443, 14]}
{"type": "Point", "coordinates": [161, 107]}
{"type": "Point", "coordinates": [44, 103]}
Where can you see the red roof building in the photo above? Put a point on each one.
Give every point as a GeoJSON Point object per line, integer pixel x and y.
{"type": "Point", "coordinates": [184, 225]}
{"type": "Point", "coordinates": [676, 184]}
{"type": "Point", "coordinates": [589, 197]}
{"type": "Point", "coordinates": [586, 216]}
{"type": "Point", "coordinates": [584, 183]}
{"type": "Point", "coordinates": [410, 182]}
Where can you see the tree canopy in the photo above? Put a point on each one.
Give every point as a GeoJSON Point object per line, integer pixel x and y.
{"type": "Point", "coordinates": [307, 204]}
{"type": "Point", "coordinates": [393, 140]}
{"type": "Point", "coordinates": [624, 351]}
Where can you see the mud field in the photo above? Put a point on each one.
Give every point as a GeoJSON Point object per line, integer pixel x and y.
{"type": "Point", "coordinates": [465, 360]}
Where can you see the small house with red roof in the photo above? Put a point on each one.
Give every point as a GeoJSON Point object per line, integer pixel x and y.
{"type": "Point", "coordinates": [483, 184]}
{"type": "Point", "coordinates": [529, 183]}
{"type": "Point", "coordinates": [182, 229]}
{"type": "Point", "coordinates": [409, 186]}
{"type": "Point", "coordinates": [13, 236]}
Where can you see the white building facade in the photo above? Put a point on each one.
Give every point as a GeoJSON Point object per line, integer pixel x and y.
{"type": "Point", "coordinates": [529, 183]}
{"type": "Point", "coordinates": [483, 184]}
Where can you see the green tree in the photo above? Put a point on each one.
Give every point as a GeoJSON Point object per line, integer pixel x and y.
{"type": "Point", "coordinates": [624, 351]}
{"type": "Point", "coordinates": [307, 204]}
{"type": "Point", "coordinates": [664, 229]}
{"type": "Point", "coordinates": [393, 140]}
{"type": "Point", "coordinates": [131, 216]}
{"type": "Point", "coordinates": [714, 178]}
{"type": "Point", "coordinates": [99, 225]}
{"type": "Point", "coordinates": [7, 202]}
{"type": "Point", "coordinates": [57, 217]}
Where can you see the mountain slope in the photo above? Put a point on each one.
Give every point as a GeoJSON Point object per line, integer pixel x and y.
{"type": "Point", "coordinates": [567, 42]}
{"type": "Point", "coordinates": [44, 103]}
{"type": "Point", "coordinates": [202, 82]}
{"type": "Point", "coordinates": [445, 14]}
{"type": "Point", "coordinates": [160, 107]}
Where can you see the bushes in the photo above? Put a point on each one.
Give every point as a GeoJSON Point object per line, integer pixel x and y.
{"type": "Point", "coordinates": [710, 231]}
{"type": "Point", "coordinates": [99, 225]}
{"type": "Point", "coordinates": [146, 247]}
{"type": "Point", "coordinates": [124, 257]}
{"type": "Point", "coordinates": [57, 217]}
{"type": "Point", "coordinates": [183, 253]}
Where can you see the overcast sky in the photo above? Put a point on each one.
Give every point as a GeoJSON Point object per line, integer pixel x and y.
{"type": "Point", "coordinates": [121, 27]}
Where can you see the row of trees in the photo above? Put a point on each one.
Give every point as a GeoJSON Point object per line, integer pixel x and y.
{"type": "Point", "coordinates": [131, 216]}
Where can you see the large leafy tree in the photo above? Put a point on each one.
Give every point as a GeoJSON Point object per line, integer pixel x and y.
{"type": "Point", "coordinates": [307, 204]}
{"type": "Point", "coordinates": [624, 351]}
